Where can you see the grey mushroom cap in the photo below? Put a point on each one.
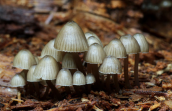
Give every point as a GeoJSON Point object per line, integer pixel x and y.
{"type": "Point", "coordinates": [90, 79]}
{"type": "Point", "coordinates": [79, 78]}
{"type": "Point", "coordinates": [17, 81]}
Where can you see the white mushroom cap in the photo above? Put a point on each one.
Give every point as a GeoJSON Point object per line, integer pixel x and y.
{"type": "Point", "coordinates": [144, 46]}
{"type": "Point", "coordinates": [110, 65]}
{"type": "Point", "coordinates": [47, 68]}
{"type": "Point", "coordinates": [64, 78]}
{"type": "Point", "coordinates": [17, 81]}
{"type": "Point", "coordinates": [50, 50]}
{"type": "Point", "coordinates": [68, 61]}
{"type": "Point", "coordinates": [24, 59]}
{"type": "Point", "coordinates": [78, 78]}
{"type": "Point", "coordinates": [88, 34]}
{"type": "Point", "coordinates": [71, 39]}
{"type": "Point", "coordinates": [90, 79]}
{"type": "Point", "coordinates": [30, 76]}
{"type": "Point", "coordinates": [130, 44]}
{"type": "Point", "coordinates": [91, 40]}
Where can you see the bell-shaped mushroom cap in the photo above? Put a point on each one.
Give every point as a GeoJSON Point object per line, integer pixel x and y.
{"type": "Point", "coordinates": [88, 34]}
{"type": "Point", "coordinates": [90, 79]}
{"type": "Point", "coordinates": [111, 65]}
{"type": "Point", "coordinates": [71, 39]}
{"type": "Point", "coordinates": [64, 78]}
{"type": "Point", "coordinates": [17, 81]}
{"type": "Point", "coordinates": [115, 48]}
{"type": "Point", "coordinates": [30, 76]}
{"type": "Point", "coordinates": [37, 59]}
{"type": "Point", "coordinates": [47, 68]}
{"type": "Point", "coordinates": [130, 44]}
{"type": "Point", "coordinates": [78, 78]}
{"type": "Point", "coordinates": [144, 46]}
{"type": "Point", "coordinates": [68, 61]}
{"type": "Point", "coordinates": [24, 59]}
{"type": "Point", "coordinates": [91, 40]}
{"type": "Point", "coordinates": [50, 50]}
{"type": "Point", "coordinates": [95, 54]}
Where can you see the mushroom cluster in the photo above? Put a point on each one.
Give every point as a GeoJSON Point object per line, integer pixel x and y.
{"type": "Point", "coordinates": [60, 63]}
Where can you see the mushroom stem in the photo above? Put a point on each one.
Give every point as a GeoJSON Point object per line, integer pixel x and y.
{"type": "Point", "coordinates": [108, 83]}
{"type": "Point", "coordinates": [36, 84]}
{"type": "Point", "coordinates": [67, 88]}
{"type": "Point", "coordinates": [126, 78]}
{"type": "Point", "coordinates": [77, 90]}
{"type": "Point", "coordinates": [89, 68]}
{"type": "Point", "coordinates": [116, 82]}
{"type": "Point", "coordinates": [88, 88]}
{"type": "Point", "coordinates": [96, 74]}
{"type": "Point", "coordinates": [78, 62]}
{"type": "Point", "coordinates": [60, 65]}
{"type": "Point", "coordinates": [54, 90]}
{"type": "Point", "coordinates": [18, 95]}
{"type": "Point", "coordinates": [136, 78]}
{"type": "Point", "coordinates": [46, 93]}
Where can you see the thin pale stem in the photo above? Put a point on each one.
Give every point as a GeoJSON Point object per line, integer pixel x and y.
{"type": "Point", "coordinates": [126, 77]}
{"type": "Point", "coordinates": [54, 90]}
{"type": "Point", "coordinates": [136, 78]}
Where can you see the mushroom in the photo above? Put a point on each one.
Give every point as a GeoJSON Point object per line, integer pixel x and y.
{"type": "Point", "coordinates": [90, 79]}
{"type": "Point", "coordinates": [116, 48]}
{"type": "Point", "coordinates": [93, 57]}
{"type": "Point", "coordinates": [78, 81]}
{"type": "Point", "coordinates": [111, 65]}
{"type": "Point", "coordinates": [144, 48]}
{"type": "Point", "coordinates": [132, 47]}
{"type": "Point", "coordinates": [88, 34]}
{"type": "Point", "coordinates": [47, 69]}
{"type": "Point", "coordinates": [18, 81]}
{"type": "Point", "coordinates": [50, 50]}
{"type": "Point", "coordinates": [31, 78]}
{"type": "Point", "coordinates": [64, 78]}
{"type": "Point", "coordinates": [72, 39]}
{"type": "Point", "coordinates": [91, 40]}
{"type": "Point", "coordinates": [68, 62]}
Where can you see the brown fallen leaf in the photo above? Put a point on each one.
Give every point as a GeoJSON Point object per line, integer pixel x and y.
{"type": "Point", "coordinates": [156, 105]}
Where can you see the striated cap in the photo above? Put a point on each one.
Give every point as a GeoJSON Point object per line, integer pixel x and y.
{"type": "Point", "coordinates": [71, 39]}
{"type": "Point", "coordinates": [68, 62]}
{"type": "Point", "coordinates": [64, 78]}
{"type": "Point", "coordinates": [95, 54]}
{"type": "Point", "coordinates": [144, 46]}
{"type": "Point", "coordinates": [78, 78]}
{"type": "Point", "coordinates": [88, 34]}
{"type": "Point", "coordinates": [30, 76]}
{"type": "Point", "coordinates": [50, 50]}
{"type": "Point", "coordinates": [115, 48]}
{"type": "Point", "coordinates": [130, 44]}
{"type": "Point", "coordinates": [24, 59]}
{"type": "Point", "coordinates": [47, 68]}
{"type": "Point", "coordinates": [17, 81]}
{"type": "Point", "coordinates": [110, 65]}
{"type": "Point", "coordinates": [90, 79]}
{"type": "Point", "coordinates": [91, 40]}
{"type": "Point", "coordinates": [37, 59]}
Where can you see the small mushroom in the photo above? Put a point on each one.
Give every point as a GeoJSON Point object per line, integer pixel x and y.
{"type": "Point", "coordinates": [90, 79]}
{"type": "Point", "coordinates": [91, 40]}
{"type": "Point", "coordinates": [64, 78]}
{"type": "Point", "coordinates": [88, 34]}
{"type": "Point", "coordinates": [132, 47]}
{"type": "Point", "coordinates": [18, 81]}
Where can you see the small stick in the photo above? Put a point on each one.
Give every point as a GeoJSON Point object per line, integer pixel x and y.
{"type": "Point", "coordinates": [126, 78]}
{"type": "Point", "coordinates": [136, 78]}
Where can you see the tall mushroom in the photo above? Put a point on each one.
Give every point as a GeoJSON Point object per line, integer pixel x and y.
{"type": "Point", "coordinates": [18, 81]}
{"type": "Point", "coordinates": [72, 39]}
{"type": "Point", "coordinates": [93, 57]}
{"type": "Point", "coordinates": [47, 69]}
{"type": "Point", "coordinates": [111, 65]}
{"type": "Point", "coordinates": [132, 47]}
{"type": "Point", "coordinates": [144, 48]}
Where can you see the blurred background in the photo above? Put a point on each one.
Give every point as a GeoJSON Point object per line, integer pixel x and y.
{"type": "Point", "coordinates": [32, 23]}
